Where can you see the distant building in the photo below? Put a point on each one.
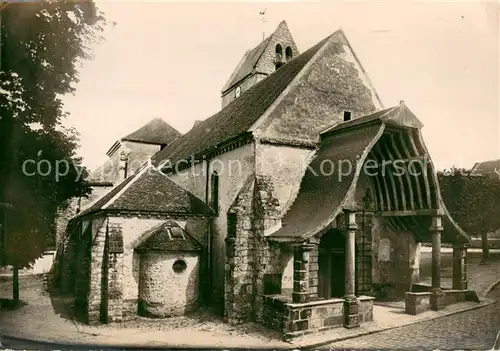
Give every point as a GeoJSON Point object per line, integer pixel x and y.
{"type": "Point", "coordinates": [489, 169]}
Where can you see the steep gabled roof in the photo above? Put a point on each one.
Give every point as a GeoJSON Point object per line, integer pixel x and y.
{"type": "Point", "coordinates": [156, 131]}
{"type": "Point", "coordinates": [487, 168]}
{"type": "Point", "coordinates": [269, 110]}
{"type": "Point", "coordinates": [239, 115]}
{"type": "Point", "coordinates": [345, 149]}
{"type": "Point", "coordinates": [247, 64]}
{"type": "Point", "coordinates": [168, 236]}
{"type": "Point", "coordinates": [149, 191]}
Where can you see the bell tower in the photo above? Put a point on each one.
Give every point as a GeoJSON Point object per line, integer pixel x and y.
{"type": "Point", "coordinates": [261, 61]}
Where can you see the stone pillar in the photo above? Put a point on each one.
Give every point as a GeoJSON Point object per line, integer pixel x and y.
{"type": "Point", "coordinates": [313, 270]}
{"type": "Point", "coordinates": [94, 296]}
{"type": "Point", "coordinates": [459, 267]}
{"type": "Point", "coordinates": [351, 304]}
{"type": "Point", "coordinates": [437, 296]}
{"type": "Point", "coordinates": [301, 272]}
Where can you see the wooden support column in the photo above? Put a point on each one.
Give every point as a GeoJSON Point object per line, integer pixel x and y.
{"type": "Point", "coordinates": [459, 267]}
{"type": "Point", "coordinates": [301, 273]}
{"type": "Point", "coordinates": [351, 304]}
{"type": "Point", "coordinates": [437, 296]}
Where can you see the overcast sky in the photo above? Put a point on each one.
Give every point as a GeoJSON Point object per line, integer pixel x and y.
{"type": "Point", "coordinates": [170, 60]}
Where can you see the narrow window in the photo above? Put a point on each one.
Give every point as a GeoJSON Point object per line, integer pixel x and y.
{"type": "Point", "coordinates": [176, 233]}
{"type": "Point", "coordinates": [231, 225]}
{"type": "Point", "coordinates": [347, 116]}
{"type": "Point", "coordinates": [288, 53]}
{"type": "Point", "coordinates": [279, 56]}
{"type": "Point", "coordinates": [215, 192]}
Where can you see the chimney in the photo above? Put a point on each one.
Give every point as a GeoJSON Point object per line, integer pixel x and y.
{"type": "Point", "coordinates": [347, 116]}
{"type": "Point", "coordinates": [123, 165]}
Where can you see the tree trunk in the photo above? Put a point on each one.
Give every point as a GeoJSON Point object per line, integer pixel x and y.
{"type": "Point", "coordinates": [15, 283]}
{"type": "Point", "coordinates": [486, 248]}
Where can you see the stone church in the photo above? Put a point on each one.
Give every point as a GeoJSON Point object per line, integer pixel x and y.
{"type": "Point", "coordinates": [297, 205]}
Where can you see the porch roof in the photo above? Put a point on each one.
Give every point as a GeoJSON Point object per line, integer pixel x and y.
{"type": "Point", "coordinates": [330, 182]}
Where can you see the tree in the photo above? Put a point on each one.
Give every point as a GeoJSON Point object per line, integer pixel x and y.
{"type": "Point", "coordinates": [473, 201]}
{"type": "Point", "coordinates": [42, 45]}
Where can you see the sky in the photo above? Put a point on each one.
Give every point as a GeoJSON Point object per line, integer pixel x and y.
{"type": "Point", "coordinates": [171, 59]}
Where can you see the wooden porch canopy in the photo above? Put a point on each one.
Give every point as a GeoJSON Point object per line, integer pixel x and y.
{"type": "Point", "coordinates": [385, 152]}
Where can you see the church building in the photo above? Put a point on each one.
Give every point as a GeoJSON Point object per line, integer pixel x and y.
{"type": "Point", "coordinates": [298, 205]}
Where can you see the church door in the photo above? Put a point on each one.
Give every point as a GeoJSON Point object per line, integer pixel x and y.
{"type": "Point", "coordinates": [331, 262]}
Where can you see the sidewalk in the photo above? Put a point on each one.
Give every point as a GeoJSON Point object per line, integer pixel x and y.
{"type": "Point", "coordinates": [44, 320]}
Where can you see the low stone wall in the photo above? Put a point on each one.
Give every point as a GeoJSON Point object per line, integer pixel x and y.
{"type": "Point", "coordinates": [292, 319]}
{"type": "Point", "coordinates": [417, 302]}
{"type": "Point", "coordinates": [420, 301]}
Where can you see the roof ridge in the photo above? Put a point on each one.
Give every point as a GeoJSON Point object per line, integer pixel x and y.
{"type": "Point", "coordinates": [125, 188]}
{"type": "Point", "coordinates": [184, 189]}
{"type": "Point", "coordinates": [324, 43]}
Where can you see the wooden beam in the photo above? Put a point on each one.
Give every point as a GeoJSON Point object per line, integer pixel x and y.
{"type": "Point", "coordinates": [407, 176]}
{"type": "Point", "coordinates": [425, 174]}
{"type": "Point", "coordinates": [408, 153]}
{"type": "Point", "coordinates": [426, 212]}
{"type": "Point", "coordinates": [384, 180]}
{"type": "Point", "coordinates": [393, 182]}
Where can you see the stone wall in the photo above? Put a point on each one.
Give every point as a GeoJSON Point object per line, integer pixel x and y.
{"type": "Point", "coordinates": [417, 302]}
{"type": "Point", "coordinates": [133, 230]}
{"type": "Point", "coordinates": [97, 273]}
{"type": "Point", "coordinates": [304, 112]}
{"type": "Point", "coordinates": [162, 291]}
{"type": "Point", "coordinates": [285, 166]}
{"type": "Point", "coordinates": [244, 85]}
{"type": "Point", "coordinates": [294, 320]}
{"type": "Point", "coordinates": [240, 258]}
{"type": "Point", "coordinates": [66, 264]}
{"type": "Point", "coordinates": [139, 153]}
{"type": "Point", "coordinates": [266, 64]}
{"type": "Point", "coordinates": [395, 256]}
{"type": "Point", "coordinates": [234, 169]}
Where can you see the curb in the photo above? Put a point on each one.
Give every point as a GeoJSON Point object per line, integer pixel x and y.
{"type": "Point", "coordinates": [323, 343]}
{"type": "Point", "coordinates": [159, 346]}
{"type": "Point", "coordinates": [489, 288]}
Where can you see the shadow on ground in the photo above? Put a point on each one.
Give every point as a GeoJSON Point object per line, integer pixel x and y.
{"type": "Point", "coordinates": [10, 305]}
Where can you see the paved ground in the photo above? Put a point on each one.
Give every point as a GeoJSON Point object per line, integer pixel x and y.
{"type": "Point", "coordinates": [476, 330]}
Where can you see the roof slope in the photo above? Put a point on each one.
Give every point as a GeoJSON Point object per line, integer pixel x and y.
{"type": "Point", "coordinates": [314, 207]}
{"type": "Point", "coordinates": [149, 191]}
{"type": "Point", "coordinates": [337, 167]}
{"type": "Point", "coordinates": [156, 131]}
{"type": "Point", "coordinates": [247, 64]}
{"type": "Point", "coordinates": [239, 115]}
{"type": "Point", "coordinates": [163, 238]}
{"type": "Point", "coordinates": [487, 168]}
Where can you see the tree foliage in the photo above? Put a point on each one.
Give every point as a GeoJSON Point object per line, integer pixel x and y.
{"type": "Point", "coordinates": [473, 201]}
{"type": "Point", "coordinates": [42, 46]}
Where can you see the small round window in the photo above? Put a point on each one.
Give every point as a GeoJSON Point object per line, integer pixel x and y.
{"type": "Point", "coordinates": [179, 266]}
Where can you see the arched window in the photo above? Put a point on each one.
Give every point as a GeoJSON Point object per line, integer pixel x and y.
{"type": "Point", "coordinates": [215, 192]}
{"type": "Point", "coordinates": [279, 56]}
{"type": "Point", "coordinates": [288, 53]}
{"type": "Point", "coordinates": [279, 51]}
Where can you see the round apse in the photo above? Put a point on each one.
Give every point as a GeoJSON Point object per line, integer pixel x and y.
{"type": "Point", "coordinates": [179, 266]}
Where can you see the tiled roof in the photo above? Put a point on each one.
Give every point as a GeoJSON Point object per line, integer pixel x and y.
{"type": "Point", "coordinates": [487, 168]}
{"type": "Point", "coordinates": [397, 115]}
{"type": "Point", "coordinates": [156, 131]}
{"type": "Point", "coordinates": [239, 115]}
{"type": "Point", "coordinates": [333, 169]}
{"type": "Point", "coordinates": [247, 64]}
{"type": "Point", "coordinates": [168, 236]}
{"type": "Point", "coordinates": [321, 193]}
{"type": "Point", "coordinates": [149, 191]}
